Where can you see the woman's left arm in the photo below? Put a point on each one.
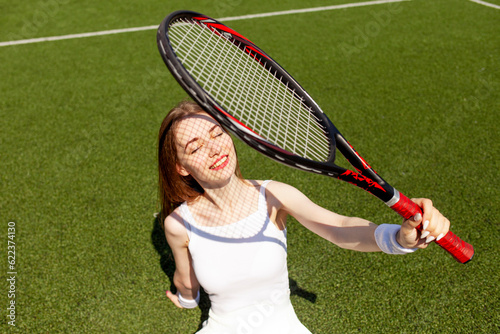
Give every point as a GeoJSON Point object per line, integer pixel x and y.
{"type": "Point", "coordinates": [352, 232]}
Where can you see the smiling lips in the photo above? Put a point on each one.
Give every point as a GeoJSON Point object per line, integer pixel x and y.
{"type": "Point", "coordinates": [221, 163]}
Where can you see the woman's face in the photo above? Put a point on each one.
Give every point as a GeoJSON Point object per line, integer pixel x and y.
{"type": "Point", "coordinates": [204, 150]}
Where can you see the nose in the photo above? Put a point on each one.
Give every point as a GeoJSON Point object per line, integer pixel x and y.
{"type": "Point", "coordinates": [214, 147]}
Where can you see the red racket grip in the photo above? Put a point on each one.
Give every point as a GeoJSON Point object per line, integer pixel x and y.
{"type": "Point", "coordinates": [459, 249]}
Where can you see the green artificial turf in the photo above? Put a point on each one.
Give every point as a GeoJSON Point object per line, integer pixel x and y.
{"type": "Point", "coordinates": [413, 86]}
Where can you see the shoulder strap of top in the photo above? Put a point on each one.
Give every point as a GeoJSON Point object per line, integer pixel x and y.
{"type": "Point", "coordinates": [262, 196]}
{"type": "Point", "coordinates": [263, 186]}
{"type": "Point", "coordinates": [187, 218]}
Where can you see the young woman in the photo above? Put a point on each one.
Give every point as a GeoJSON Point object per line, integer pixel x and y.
{"type": "Point", "coordinates": [228, 234]}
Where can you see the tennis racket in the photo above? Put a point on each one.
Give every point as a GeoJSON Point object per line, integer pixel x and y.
{"type": "Point", "coordinates": [260, 103]}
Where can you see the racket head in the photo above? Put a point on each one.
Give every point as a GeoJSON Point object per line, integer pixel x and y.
{"type": "Point", "coordinates": [180, 46]}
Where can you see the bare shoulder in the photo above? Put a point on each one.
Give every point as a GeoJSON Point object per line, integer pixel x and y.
{"type": "Point", "coordinates": [280, 189]}
{"type": "Point", "coordinates": [282, 194]}
{"type": "Point", "coordinates": [174, 224]}
{"type": "Point", "coordinates": [176, 234]}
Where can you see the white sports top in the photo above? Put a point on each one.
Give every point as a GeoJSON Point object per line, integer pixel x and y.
{"type": "Point", "coordinates": [239, 264]}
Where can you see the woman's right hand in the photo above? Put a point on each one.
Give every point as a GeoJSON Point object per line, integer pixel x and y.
{"type": "Point", "coordinates": [174, 298]}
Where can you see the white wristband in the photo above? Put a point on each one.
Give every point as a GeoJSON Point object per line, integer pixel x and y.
{"type": "Point", "coordinates": [189, 303]}
{"type": "Point", "coordinates": [385, 236]}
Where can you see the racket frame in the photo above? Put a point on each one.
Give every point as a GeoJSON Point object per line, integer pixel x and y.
{"type": "Point", "coordinates": [366, 174]}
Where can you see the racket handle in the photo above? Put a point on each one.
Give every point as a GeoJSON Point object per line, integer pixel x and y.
{"type": "Point", "coordinates": [459, 249]}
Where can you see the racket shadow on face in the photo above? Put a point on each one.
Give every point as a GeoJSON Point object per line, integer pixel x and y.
{"type": "Point", "coordinates": [167, 264]}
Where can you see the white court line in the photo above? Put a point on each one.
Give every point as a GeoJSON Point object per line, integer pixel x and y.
{"type": "Point", "coordinates": [87, 34]}
{"type": "Point", "coordinates": [484, 3]}
{"type": "Point", "coordinates": [232, 18]}
{"type": "Point", "coordinates": [309, 10]}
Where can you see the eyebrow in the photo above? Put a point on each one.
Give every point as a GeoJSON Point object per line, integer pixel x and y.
{"type": "Point", "coordinates": [197, 138]}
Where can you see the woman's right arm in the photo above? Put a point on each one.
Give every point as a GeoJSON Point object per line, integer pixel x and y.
{"type": "Point", "coordinates": [184, 277]}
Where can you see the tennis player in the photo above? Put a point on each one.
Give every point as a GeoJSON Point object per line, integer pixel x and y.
{"type": "Point", "coordinates": [228, 234]}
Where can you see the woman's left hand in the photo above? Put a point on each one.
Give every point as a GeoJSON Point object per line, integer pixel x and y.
{"type": "Point", "coordinates": [434, 224]}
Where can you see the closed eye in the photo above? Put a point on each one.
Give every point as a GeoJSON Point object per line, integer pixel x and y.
{"type": "Point", "coordinates": [194, 150]}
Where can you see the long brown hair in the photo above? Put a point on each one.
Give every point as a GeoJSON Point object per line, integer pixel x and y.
{"type": "Point", "coordinates": [174, 189]}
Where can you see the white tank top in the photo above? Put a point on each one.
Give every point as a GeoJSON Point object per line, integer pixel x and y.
{"type": "Point", "coordinates": [239, 264]}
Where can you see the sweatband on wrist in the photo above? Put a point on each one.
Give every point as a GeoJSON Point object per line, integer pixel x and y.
{"type": "Point", "coordinates": [189, 303]}
{"type": "Point", "coordinates": [385, 236]}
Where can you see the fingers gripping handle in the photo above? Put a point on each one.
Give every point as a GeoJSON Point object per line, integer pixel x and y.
{"type": "Point", "coordinates": [459, 249]}
{"type": "Point", "coordinates": [405, 207]}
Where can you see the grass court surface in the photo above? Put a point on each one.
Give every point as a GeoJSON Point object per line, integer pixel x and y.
{"type": "Point", "coordinates": [413, 85]}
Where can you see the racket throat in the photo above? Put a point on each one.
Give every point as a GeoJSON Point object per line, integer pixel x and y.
{"type": "Point", "coordinates": [358, 162]}
{"type": "Point", "coordinates": [382, 191]}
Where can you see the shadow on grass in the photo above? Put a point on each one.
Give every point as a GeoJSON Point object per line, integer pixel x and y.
{"type": "Point", "coordinates": [168, 266]}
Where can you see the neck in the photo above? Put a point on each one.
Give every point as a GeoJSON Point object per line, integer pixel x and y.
{"type": "Point", "coordinates": [224, 196]}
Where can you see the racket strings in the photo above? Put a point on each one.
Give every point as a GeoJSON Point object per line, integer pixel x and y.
{"type": "Point", "coordinates": [254, 93]}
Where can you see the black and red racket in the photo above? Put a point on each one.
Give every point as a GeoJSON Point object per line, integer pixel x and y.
{"type": "Point", "coordinates": [261, 104]}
